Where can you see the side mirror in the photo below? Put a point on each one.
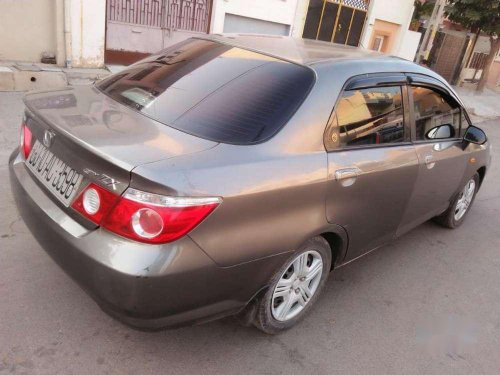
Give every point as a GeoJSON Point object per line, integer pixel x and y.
{"type": "Point", "coordinates": [475, 135]}
{"type": "Point", "coordinates": [441, 132]}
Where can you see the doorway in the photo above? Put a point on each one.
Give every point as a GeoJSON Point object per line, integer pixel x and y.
{"type": "Point", "coordinates": [336, 21]}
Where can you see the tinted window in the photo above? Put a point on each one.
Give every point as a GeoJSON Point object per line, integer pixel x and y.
{"type": "Point", "coordinates": [213, 91]}
{"type": "Point", "coordinates": [436, 117]}
{"type": "Point", "coordinates": [370, 116]}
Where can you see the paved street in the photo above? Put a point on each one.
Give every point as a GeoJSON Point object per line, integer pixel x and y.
{"type": "Point", "coordinates": [427, 304]}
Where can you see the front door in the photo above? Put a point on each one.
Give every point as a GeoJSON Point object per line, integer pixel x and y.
{"type": "Point", "coordinates": [142, 27]}
{"type": "Point", "coordinates": [372, 165]}
{"type": "Point", "coordinates": [438, 142]}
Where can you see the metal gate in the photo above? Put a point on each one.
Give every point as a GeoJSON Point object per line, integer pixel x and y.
{"type": "Point", "coordinates": [336, 21]}
{"type": "Point", "coordinates": [146, 26]}
{"type": "Point", "coordinates": [447, 55]}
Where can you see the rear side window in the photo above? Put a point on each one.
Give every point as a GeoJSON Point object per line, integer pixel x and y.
{"type": "Point", "coordinates": [372, 116]}
{"type": "Point", "coordinates": [436, 117]}
{"type": "Point", "coordinates": [214, 91]}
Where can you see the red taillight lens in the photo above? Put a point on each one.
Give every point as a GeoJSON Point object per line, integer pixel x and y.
{"type": "Point", "coordinates": [154, 218]}
{"type": "Point", "coordinates": [142, 216]}
{"type": "Point", "coordinates": [94, 202]}
{"type": "Point", "coordinates": [26, 140]}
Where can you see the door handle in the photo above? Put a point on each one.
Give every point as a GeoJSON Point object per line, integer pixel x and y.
{"type": "Point", "coordinates": [347, 176]}
{"type": "Point", "coordinates": [429, 161]}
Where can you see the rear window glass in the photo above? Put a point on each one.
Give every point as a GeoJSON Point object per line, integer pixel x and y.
{"type": "Point", "coordinates": [213, 91]}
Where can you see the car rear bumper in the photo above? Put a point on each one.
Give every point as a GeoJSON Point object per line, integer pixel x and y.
{"type": "Point", "coordinates": [145, 286]}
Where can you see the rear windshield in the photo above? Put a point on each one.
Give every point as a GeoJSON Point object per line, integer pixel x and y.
{"type": "Point", "coordinates": [213, 91]}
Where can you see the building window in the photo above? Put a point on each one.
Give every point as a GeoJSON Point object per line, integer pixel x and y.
{"type": "Point", "coordinates": [378, 43]}
{"type": "Point", "coordinates": [478, 60]}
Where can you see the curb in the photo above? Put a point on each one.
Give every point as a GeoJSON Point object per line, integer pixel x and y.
{"type": "Point", "coordinates": [27, 77]}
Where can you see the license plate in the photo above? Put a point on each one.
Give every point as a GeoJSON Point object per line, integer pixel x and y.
{"type": "Point", "coordinates": [53, 173]}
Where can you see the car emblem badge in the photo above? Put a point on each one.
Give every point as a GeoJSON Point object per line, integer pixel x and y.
{"type": "Point", "coordinates": [105, 179]}
{"type": "Point", "coordinates": [48, 136]}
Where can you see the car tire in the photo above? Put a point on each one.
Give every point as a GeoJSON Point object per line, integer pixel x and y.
{"type": "Point", "coordinates": [270, 314]}
{"type": "Point", "coordinates": [455, 215]}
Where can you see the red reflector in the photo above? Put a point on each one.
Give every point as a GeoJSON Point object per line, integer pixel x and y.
{"type": "Point", "coordinates": [26, 140]}
{"type": "Point", "coordinates": [147, 223]}
{"type": "Point", "coordinates": [94, 202]}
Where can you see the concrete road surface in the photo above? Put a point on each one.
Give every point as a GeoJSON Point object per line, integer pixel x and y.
{"type": "Point", "coordinates": [427, 304]}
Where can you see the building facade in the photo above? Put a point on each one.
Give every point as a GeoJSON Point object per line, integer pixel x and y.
{"type": "Point", "coordinates": [90, 33]}
{"type": "Point", "coordinates": [455, 52]}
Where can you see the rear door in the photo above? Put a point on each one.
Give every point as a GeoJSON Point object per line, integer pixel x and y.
{"type": "Point", "coordinates": [438, 122]}
{"type": "Point", "coordinates": [372, 164]}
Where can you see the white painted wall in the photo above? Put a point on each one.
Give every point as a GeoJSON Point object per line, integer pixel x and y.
{"type": "Point", "coordinates": [398, 12]}
{"type": "Point", "coordinates": [88, 25]}
{"type": "Point", "coordinates": [280, 11]}
{"type": "Point", "coordinates": [27, 28]}
{"type": "Point", "coordinates": [409, 46]}
{"type": "Point", "coordinates": [300, 18]}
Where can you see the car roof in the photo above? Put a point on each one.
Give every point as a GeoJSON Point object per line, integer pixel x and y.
{"type": "Point", "coordinates": [323, 56]}
{"type": "Point", "coordinates": [298, 50]}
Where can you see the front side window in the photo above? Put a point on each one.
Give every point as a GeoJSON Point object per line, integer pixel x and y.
{"type": "Point", "coordinates": [372, 116]}
{"type": "Point", "coordinates": [436, 117]}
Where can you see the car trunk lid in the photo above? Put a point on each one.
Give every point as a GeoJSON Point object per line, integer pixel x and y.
{"type": "Point", "coordinates": [110, 130]}
{"type": "Point", "coordinates": [98, 138]}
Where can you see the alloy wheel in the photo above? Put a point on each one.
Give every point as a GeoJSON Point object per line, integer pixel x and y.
{"type": "Point", "coordinates": [465, 199]}
{"type": "Point", "coordinates": [297, 285]}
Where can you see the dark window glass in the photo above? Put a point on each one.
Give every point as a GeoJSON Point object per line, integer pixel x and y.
{"type": "Point", "coordinates": [436, 117]}
{"type": "Point", "coordinates": [312, 19]}
{"type": "Point", "coordinates": [343, 23]}
{"type": "Point", "coordinates": [328, 21]}
{"type": "Point", "coordinates": [358, 21]}
{"type": "Point", "coordinates": [370, 116]}
{"type": "Point", "coordinates": [213, 91]}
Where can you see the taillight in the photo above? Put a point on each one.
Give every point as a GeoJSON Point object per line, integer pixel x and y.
{"type": "Point", "coordinates": [94, 202]}
{"type": "Point", "coordinates": [141, 216]}
{"type": "Point", "coordinates": [156, 218]}
{"type": "Point", "coordinates": [26, 140]}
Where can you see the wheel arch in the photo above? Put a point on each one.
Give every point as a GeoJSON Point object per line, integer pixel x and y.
{"type": "Point", "coordinates": [482, 172]}
{"type": "Point", "coordinates": [337, 239]}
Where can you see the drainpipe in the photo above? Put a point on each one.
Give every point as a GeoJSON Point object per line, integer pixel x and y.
{"type": "Point", "coordinates": [60, 46]}
{"type": "Point", "coordinates": [67, 32]}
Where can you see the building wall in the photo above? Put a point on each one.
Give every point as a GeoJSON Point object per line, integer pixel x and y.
{"type": "Point", "coordinates": [300, 18]}
{"type": "Point", "coordinates": [409, 45]}
{"type": "Point", "coordinates": [88, 25]}
{"type": "Point", "coordinates": [27, 28]}
{"type": "Point", "coordinates": [240, 24]}
{"type": "Point", "coordinates": [390, 31]}
{"type": "Point", "coordinates": [32, 28]}
{"type": "Point", "coordinates": [275, 11]}
{"type": "Point", "coordinates": [385, 12]}
{"type": "Point", "coordinates": [494, 75]}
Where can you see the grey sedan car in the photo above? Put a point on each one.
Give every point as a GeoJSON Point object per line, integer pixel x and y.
{"type": "Point", "coordinates": [230, 174]}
